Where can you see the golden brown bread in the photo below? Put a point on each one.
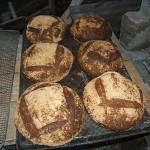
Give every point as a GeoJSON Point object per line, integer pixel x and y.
{"type": "Point", "coordinates": [91, 27]}
{"type": "Point", "coordinates": [49, 114]}
{"type": "Point", "coordinates": [46, 62]}
{"type": "Point", "coordinates": [46, 29]}
{"type": "Point", "coordinates": [97, 57]}
{"type": "Point", "coordinates": [114, 101]}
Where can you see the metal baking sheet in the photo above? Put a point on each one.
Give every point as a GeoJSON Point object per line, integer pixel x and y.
{"type": "Point", "coordinates": [91, 133]}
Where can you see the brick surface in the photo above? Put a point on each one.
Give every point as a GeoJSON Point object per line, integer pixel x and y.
{"type": "Point", "coordinates": [135, 28]}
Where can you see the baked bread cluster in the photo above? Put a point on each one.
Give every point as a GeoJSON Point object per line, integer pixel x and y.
{"type": "Point", "coordinates": [96, 57]}
{"type": "Point", "coordinates": [46, 62]}
{"type": "Point", "coordinates": [49, 114]}
{"type": "Point", "coordinates": [46, 28]}
{"type": "Point", "coordinates": [91, 27]}
{"type": "Point", "coordinates": [114, 101]}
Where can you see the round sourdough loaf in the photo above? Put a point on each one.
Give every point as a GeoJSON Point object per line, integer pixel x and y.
{"type": "Point", "coordinates": [96, 57]}
{"type": "Point", "coordinates": [46, 28]}
{"type": "Point", "coordinates": [46, 62]}
{"type": "Point", "coordinates": [49, 114]}
{"type": "Point", "coordinates": [114, 101]}
{"type": "Point", "coordinates": [91, 27]}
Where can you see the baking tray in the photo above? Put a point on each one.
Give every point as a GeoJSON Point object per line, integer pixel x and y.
{"type": "Point", "coordinates": [92, 134]}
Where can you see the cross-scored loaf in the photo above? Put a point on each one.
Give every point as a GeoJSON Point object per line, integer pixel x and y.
{"type": "Point", "coordinates": [46, 62]}
{"type": "Point", "coordinates": [49, 114]}
{"type": "Point", "coordinates": [46, 29]}
{"type": "Point", "coordinates": [97, 57]}
{"type": "Point", "coordinates": [114, 101]}
{"type": "Point", "coordinates": [91, 27]}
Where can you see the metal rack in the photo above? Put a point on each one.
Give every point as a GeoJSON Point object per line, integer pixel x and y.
{"type": "Point", "coordinates": [8, 51]}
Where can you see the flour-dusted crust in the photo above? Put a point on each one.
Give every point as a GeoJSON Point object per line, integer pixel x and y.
{"type": "Point", "coordinates": [46, 62]}
{"type": "Point", "coordinates": [91, 27]}
{"type": "Point", "coordinates": [49, 114]}
{"type": "Point", "coordinates": [46, 28]}
{"type": "Point", "coordinates": [96, 57]}
{"type": "Point", "coordinates": [114, 101]}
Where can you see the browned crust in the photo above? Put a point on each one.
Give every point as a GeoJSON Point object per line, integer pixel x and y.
{"type": "Point", "coordinates": [52, 127]}
{"type": "Point", "coordinates": [98, 57]}
{"type": "Point", "coordinates": [115, 119]}
{"type": "Point", "coordinates": [141, 95]}
{"type": "Point", "coordinates": [31, 127]}
{"type": "Point", "coordinates": [49, 69]}
{"type": "Point", "coordinates": [33, 30]}
{"type": "Point", "coordinates": [39, 35]}
{"type": "Point", "coordinates": [59, 55]}
{"type": "Point", "coordinates": [70, 126]}
{"type": "Point", "coordinates": [75, 115]}
{"type": "Point", "coordinates": [27, 119]}
{"type": "Point", "coordinates": [58, 58]}
{"type": "Point", "coordinates": [94, 63]}
{"type": "Point", "coordinates": [121, 103]}
{"type": "Point", "coordinates": [44, 84]}
{"type": "Point", "coordinates": [87, 33]}
{"type": "Point", "coordinates": [47, 35]}
{"type": "Point", "coordinates": [120, 123]}
{"type": "Point", "coordinates": [38, 68]}
{"type": "Point", "coordinates": [100, 89]}
{"type": "Point", "coordinates": [85, 49]}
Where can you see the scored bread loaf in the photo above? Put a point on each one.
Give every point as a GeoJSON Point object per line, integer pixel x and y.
{"type": "Point", "coordinates": [46, 29]}
{"type": "Point", "coordinates": [114, 101]}
{"type": "Point", "coordinates": [96, 57]}
{"type": "Point", "coordinates": [46, 62]}
{"type": "Point", "coordinates": [49, 114]}
{"type": "Point", "coordinates": [91, 27]}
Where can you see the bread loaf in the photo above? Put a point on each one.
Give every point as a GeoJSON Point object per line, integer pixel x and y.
{"type": "Point", "coordinates": [114, 101]}
{"type": "Point", "coordinates": [91, 27]}
{"type": "Point", "coordinates": [46, 62]}
{"type": "Point", "coordinates": [49, 114]}
{"type": "Point", "coordinates": [97, 57]}
{"type": "Point", "coordinates": [46, 29]}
